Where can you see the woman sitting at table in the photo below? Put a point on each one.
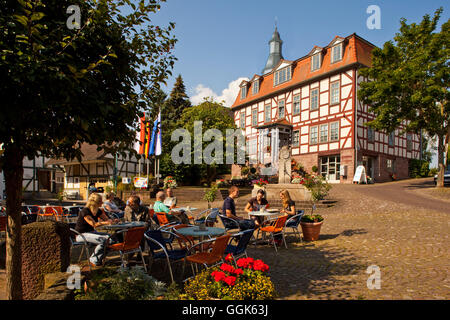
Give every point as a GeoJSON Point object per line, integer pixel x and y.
{"type": "Point", "coordinates": [89, 218]}
{"type": "Point", "coordinates": [111, 206]}
{"type": "Point", "coordinates": [255, 204]}
{"type": "Point", "coordinates": [287, 203]}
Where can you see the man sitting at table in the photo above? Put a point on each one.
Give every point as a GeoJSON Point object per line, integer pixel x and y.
{"type": "Point", "coordinates": [134, 211]}
{"type": "Point", "coordinates": [255, 204]}
{"type": "Point", "coordinates": [229, 208]}
{"type": "Point", "coordinates": [172, 216]}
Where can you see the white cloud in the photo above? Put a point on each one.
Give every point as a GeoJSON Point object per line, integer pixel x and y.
{"type": "Point", "coordinates": [228, 95]}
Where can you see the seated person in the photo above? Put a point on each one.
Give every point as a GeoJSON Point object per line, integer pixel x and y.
{"type": "Point", "coordinates": [229, 209]}
{"type": "Point", "coordinates": [288, 207]}
{"type": "Point", "coordinates": [111, 206]}
{"type": "Point", "coordinates": [134, 211]}
{"type": "Point", "coordinates": [159, 206]}
{"type": "Point", "coordinates": [255, 204]}
{"type": "Point", "coordinates": [89, 218]}
{"type": "Point", "coordinates": [170, 201]}
{"type": "Point", "coordinates": [288, 204]}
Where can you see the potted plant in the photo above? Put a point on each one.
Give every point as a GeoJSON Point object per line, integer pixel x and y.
{"type": "Point", "coordinates": [210, 195]}
{"type": "Point", "coordinates": [246, 280]}
{"type": "Point", "coordinates": [311, 224]}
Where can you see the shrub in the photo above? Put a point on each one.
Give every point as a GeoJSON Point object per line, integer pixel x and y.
{"type": "Point", "coordinates": [246, 282]}
{"type": "Point", "coordinates": [170, 182]}
{"type": "Point", "coordinates": [318, 186]}
{"type": "Point", "coordinates": [245, 171]}
{"type": "Point", "coordinates": [132, 284]}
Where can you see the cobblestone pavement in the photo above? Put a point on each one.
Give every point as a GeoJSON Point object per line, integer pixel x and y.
{"type": "Point", "coordinates": [406, 236]}
{"type": "Point", "coordinates": [407, 242]}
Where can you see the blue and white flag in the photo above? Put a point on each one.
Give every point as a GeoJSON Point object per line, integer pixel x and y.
{"type": "Point", "coordinates": [155, 145]}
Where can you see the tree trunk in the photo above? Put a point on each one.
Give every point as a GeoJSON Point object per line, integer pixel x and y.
{"type": "Point", "coordinates": [13, 171]}
{"type": "Point", "coordinates": [440, 177]}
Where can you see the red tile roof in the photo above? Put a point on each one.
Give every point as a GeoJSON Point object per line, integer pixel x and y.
{"type": "Point", "coordinates": [356, 50]}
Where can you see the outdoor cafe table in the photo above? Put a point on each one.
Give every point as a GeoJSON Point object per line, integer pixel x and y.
{"type": "Point", "coordinates": [121, 226]}
{"type": "Point", "coordinates": [196, 232]}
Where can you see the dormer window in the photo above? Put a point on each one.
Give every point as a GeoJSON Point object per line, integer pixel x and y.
{"type": "Point", "coordinates": [243, 92]}
{"type": "Point", "coordinates": [282, 75]}
{"type": "Point", "coordinates": [315, 61]}
{"type": "Point", "coordinates": [336, 53]}
{"type": "Point", "coordinates": [255, 88]}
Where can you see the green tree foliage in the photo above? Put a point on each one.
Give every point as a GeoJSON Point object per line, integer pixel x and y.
{"type": "Point", "coordinates": [213, 116]}
{"type": "Point", "coordinates": [409, 81]}
{"type": "Point", "coordinates": [60, 87]}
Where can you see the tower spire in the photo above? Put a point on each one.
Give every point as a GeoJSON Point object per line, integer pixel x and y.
{"type": "Point", "coordinates": [275, 51]}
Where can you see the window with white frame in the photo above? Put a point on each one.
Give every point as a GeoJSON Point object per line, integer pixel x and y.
{"type": "Point", "coordinates": [243, 92]}
{"type": "Point", "coordinates": [408, 142]}
{"type": "Point", "coordinates": [334, 131]}
{"type": "Point", "coordinates": [390, 165]}
{"type": "Point", "coordinates": [296, 138]}
{"type": "Point", "coordinates": [314, 99]}
{"type": "Point", "coordinates": [323, 133]}
{"type": "Point", "coordinates": [313, 135]}
{"type": "Point", "coordinates": [267, 113]}
{"type": "Point", "coordinates": [254, 117]}
{"type": "Point", "coordinates": [282, 75]}
{"type": "Point", "coordinates": [255, 88]}
{"type": "Point", "coordinates": [315, 62]}
{"type": "Point", "coordinates": [296, 106]}
{"type": "Point", "coordinates": [334, 93]}
{"type": "Point", "coordinates": [242, 120]}
{"type": "Point", "coordinates": [370, 134]}
{"type": "Point", "coordinates": [252, 146]}
{"type": "Point", "coordinates": [336, 53]}
{"type": "Point", "coordinates": [281, 109]}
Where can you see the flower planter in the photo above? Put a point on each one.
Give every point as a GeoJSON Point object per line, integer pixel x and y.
{"type": "Point", "coordinates": [311, 230]}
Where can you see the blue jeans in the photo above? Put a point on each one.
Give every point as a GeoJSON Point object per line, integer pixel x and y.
{"type": "Point", "coordinates": [98, 238]}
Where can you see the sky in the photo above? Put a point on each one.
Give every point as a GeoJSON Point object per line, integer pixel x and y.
{"type": "Point", "coordinates": [222, 42]}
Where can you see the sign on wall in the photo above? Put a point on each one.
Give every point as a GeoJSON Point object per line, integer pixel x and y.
{"type": "Point", "coordinates": [126, 180]}
{"type": "Point", "coordinates": [140, 182]}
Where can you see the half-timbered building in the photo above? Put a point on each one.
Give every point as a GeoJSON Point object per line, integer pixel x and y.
{"type": "Point", "coordinates": [311, 104]}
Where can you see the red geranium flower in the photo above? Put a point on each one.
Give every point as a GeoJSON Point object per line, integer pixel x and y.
{"type": "Point", "coordinates": [245, 262]}
{"type": "Point", "coordinates": [218, 275]}
{"type": "Point", "coordinates": [229, 257]}
{"type": "Point", "coordinates": [230, 280]}
{"type": "Point", "coordinates": [238, 271]}
{"type": "Point", "coordinates": [227, 268]}
{"type": "Point", "coordinates": [259, 265]}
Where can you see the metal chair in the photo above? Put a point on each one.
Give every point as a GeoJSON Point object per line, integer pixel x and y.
{"type": "Point", "coordinates": [131, 244]}
{"type": "Point", "coordinates": [240, 249]}
{"type": "Point", "coordinates": [208, 258]}
{"type": "Point", "coordinates": [74, 243]}
{"type": "Point", "coordinates": [158, 249]}
{"type": "Point", "coordinates": [3, 225]}
{"type": "Point", "coordinates": [276, 229]}
{"type": "Point", "coordinates": [293, 223]}
{"type": "Point", "coordinates": [228, 223]}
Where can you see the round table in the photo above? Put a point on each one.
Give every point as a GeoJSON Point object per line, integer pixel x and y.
{"type": "Point", "coordinates": [126, 225]}
{"type": "Point", "coordinates": [269, 213]}
{"type": "Point", "coordinates": [196, 232]}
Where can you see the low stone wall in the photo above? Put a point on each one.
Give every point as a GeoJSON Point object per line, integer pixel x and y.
{"type": "Point", "coordinates": [45, 249]}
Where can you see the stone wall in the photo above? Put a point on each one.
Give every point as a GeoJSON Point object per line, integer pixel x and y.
{"type": "Point", "coordinates": [45, 249]}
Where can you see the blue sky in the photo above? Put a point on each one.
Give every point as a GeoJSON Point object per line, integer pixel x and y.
{"type": "Point", "coordinates": [222, 41]}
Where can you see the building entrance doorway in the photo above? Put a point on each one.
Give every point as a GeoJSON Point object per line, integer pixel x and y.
{"type": "Point", "coordinates": [368, 163]}
{"type": "Point", "coordinates": [330, 167]}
